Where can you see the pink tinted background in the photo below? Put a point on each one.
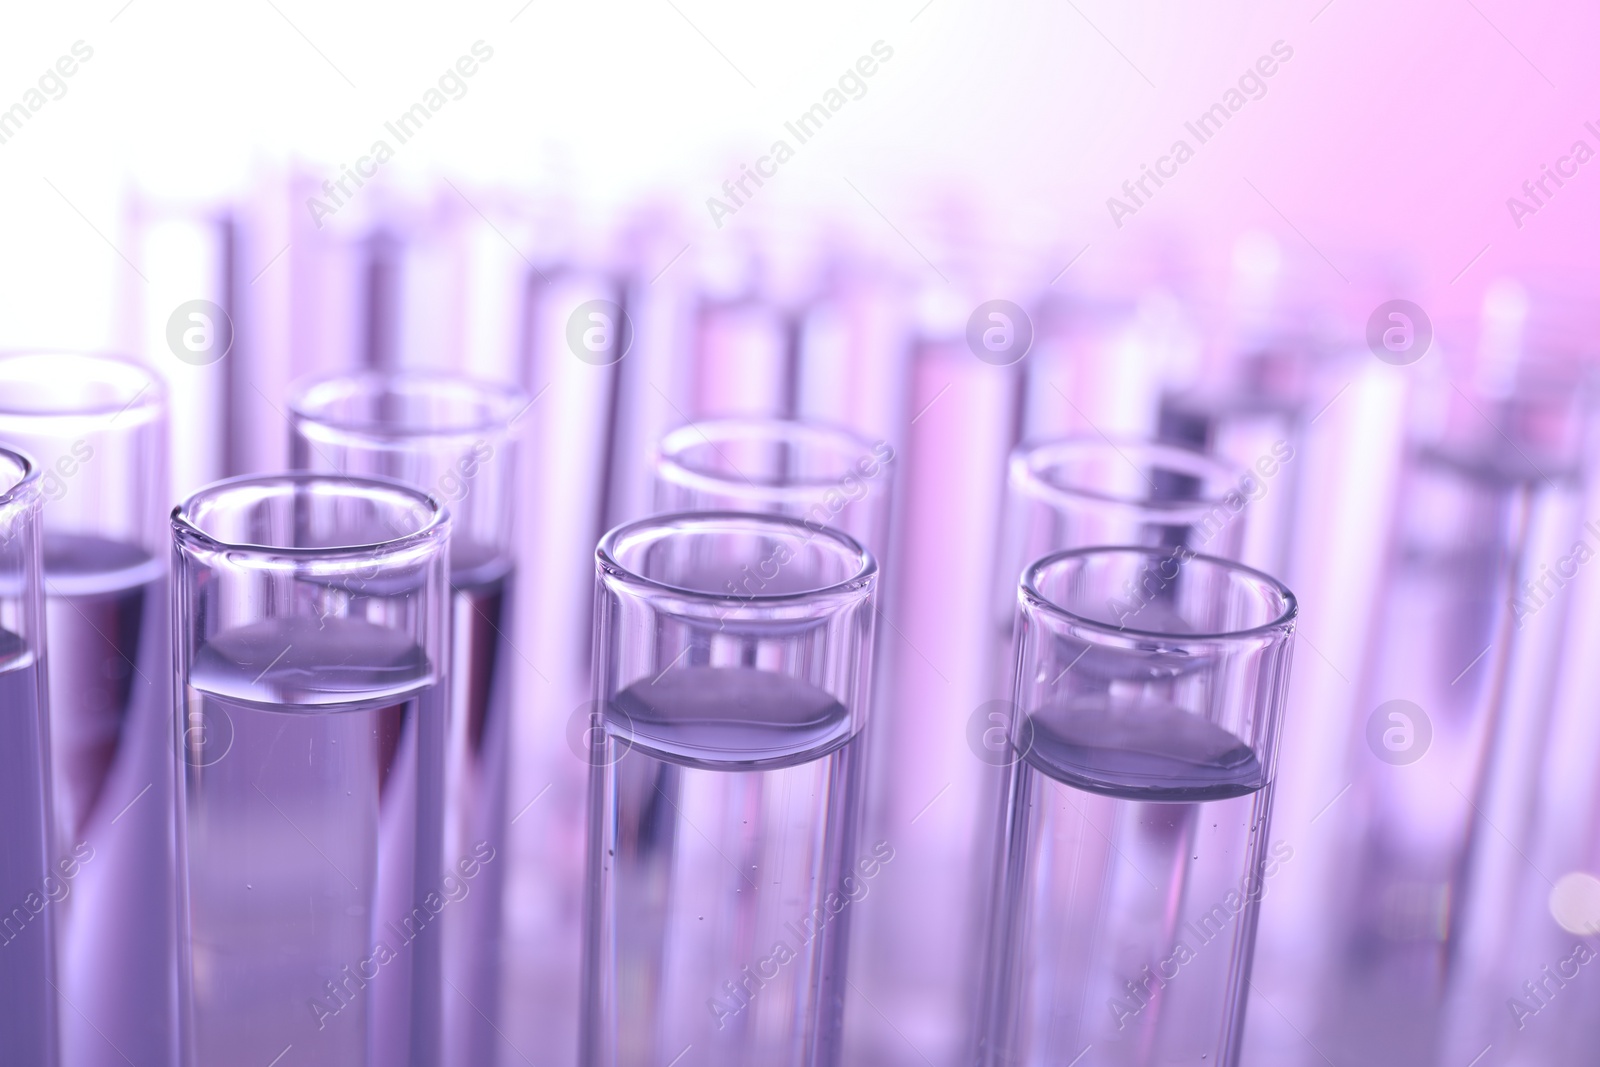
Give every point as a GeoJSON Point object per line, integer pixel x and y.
{"type": "Point", "coordinates": [1396, 133]}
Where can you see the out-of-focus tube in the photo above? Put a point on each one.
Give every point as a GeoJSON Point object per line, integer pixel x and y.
{"type": "Point", "coordinates": [33, 881]}
{"type": "Point", "coordinates": [98, 428]}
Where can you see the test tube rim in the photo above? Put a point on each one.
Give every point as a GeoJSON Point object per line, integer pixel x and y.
{"type": "Point", "coordinates": [26, 489]}
{"type": "Point", "coordinates": [860, 582]}
{"type": "Point", "coordinates": [1284, 624]}
{"type": "Point", "coordinates": [147, 401]}
{"type": "Point", "coordinates": [1025, 474]}
{"type": "Point", "coordinates": [670, 466]}
{"type": "Point", "coordinates": [504, 401]}
{"type": "Point", "coordinates": [189, 535]}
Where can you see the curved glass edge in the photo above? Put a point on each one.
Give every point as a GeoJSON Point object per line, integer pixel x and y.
{"type": "Point", "coordinates": [800, 433]}
{"type": "Point", "coordinates": [308, 407]}
{"type": "Point", "coordinates": [431, 537]}
{"type": "Point", "coordinates": [1029, 595]}
{"type": "Point", "coordinates": [143, 403]}
{"type": "Point", "coordinates": [1028, 459]}
{"type": "Point", "coordinates": [860, 583]}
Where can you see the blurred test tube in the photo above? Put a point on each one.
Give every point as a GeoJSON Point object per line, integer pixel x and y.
{"type": "Point", "coordinates": [98, 425]}
{"type": "Point", "coordinates": [1454, 703]}
{"type": "Point", "coordinates": [455, 438]}
{"type": "Point", "coordinates": [30, 879]}
{"type": "Point", "coordinates": [912, 982]}
{"type": "Point", "coordinates": [575, 333]}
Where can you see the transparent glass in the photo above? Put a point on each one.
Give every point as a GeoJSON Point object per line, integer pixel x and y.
{"type": "Point", "coordinates": [822, 474]}
{"type": "Point", "coordinates": [312, 645]}
{"type": "Point", "coordinates": [1082, 491]}
{"type": "Point", "coordinates": [1258, 420]}
{"type": "Point", "coordinates": [97, 426]}
{"type": "Point", "coordinates": [743, 355]}
{"type": "Point", "coordinates": [33, 879]}
{"type": "Point", "coordinates": [453, 437]}
{"type": "Point", "coordinates": [959, 422]}
{"type": "Point", "coordinates": [732, 675]}
{"type": "Point", "coordinates": [1430, 936]}
{"type": "Point", "coordinates": [1134, 834]}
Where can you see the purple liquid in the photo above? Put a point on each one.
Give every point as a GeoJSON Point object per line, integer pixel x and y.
{"type": "Point", "coordinates": [313, 786]}
{"type": "Point", "coordinates": [1137, 839]}
{"type": "Point", "coordinates": [478, 750]}
{"type": "Point", "coordinates": [111, 741]}
{"type": "Point", "coordinates": [728, 718]}
{"type": "Point", "coordinates": [739, 789]}
{"type": "Point", "coordinates": [1140, 752]}
{"type": "Point", "coordinates": [30, 885]}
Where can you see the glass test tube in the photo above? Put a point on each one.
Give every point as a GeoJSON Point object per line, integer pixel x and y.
{"type": "Point", "coordinates": [824, 476]}
{"type": "Point", "coordinates": [821, 474]}
{"type": "Point", "coordinates": [98, 429]}
{"type": "Point", "coordinates": [1134, 844]}
{"type": "Point", "coordinates": [732, 676]}
{"type": "Point", "coordinates": [913, 988]}
{"type": "Point", "coordinates": [1083, 492]}
{"type": "Point", "coordinates": [311, 663]}
{"type": "Point", "coordinates": [1080, 491]}
{"type": "Point", "coordinates": [561, 514]}
{"type": "Point", "coordinates": [33, 881]}
{"type": "Point", "coordinates": [451, 436]}
{"type": "Point", "coordinates": [1260, 424]}
{"type": "Point", "coordinates": [1447, 742]}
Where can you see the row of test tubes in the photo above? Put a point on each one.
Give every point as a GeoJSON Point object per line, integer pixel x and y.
{"type": "Point", "coordinates": [568, 718]}
{"type": "Point", "coordinates": [341, 743]}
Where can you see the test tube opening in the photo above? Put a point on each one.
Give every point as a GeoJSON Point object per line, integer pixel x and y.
{"type": "Point", "coordinates": [1109, 590]}
{"type": "Point", "coordinates": [309, 514]}
{"type": "Point", "coordinates": [729, 557]}
{"type": "Point", "coordinates": [402, 407]}
{"type": "Point", "coordinates": [49, 385]}
{"type": "Point", "coordinates": [1156, 672]}
{"type": "Point", "coordinates": [774, 462]}
{"type": "Point", "coordinates": [1166, 483]}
